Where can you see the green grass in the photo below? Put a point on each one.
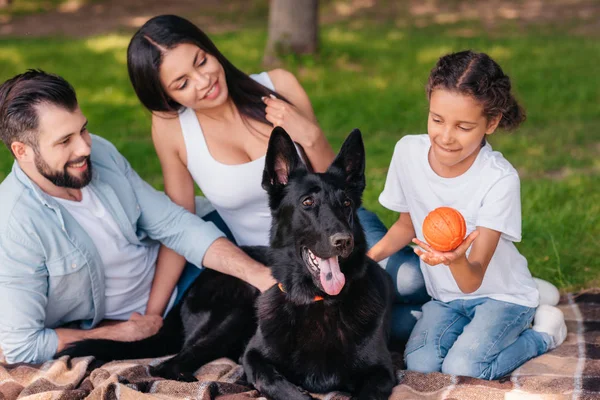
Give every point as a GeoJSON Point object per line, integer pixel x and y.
{"type": "Point", "coordinates": [26, 7]}
{"type": "Point", "coordinates": [371, 76]}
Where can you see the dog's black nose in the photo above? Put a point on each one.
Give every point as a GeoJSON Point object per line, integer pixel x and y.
{"type": "Point", "coordinates": [343, 242]}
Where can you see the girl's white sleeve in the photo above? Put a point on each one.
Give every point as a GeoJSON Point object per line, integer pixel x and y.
{"type": "Point", "coordinates": [501, 208]}
{"type": "Point", "coordinates": [393, 197]}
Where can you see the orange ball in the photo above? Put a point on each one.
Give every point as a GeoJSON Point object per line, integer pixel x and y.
{"type": "Point", "coordinates": [444, 229]}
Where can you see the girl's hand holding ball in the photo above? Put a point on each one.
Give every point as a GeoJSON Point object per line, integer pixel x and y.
{"type": "Point", "coordinates": [444, 230]}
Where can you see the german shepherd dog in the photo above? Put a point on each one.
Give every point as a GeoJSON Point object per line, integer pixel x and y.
{"type": "Point", "coordinates": [324, 327]}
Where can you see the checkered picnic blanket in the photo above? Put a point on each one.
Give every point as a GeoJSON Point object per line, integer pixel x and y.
{"type": "Point", "coordinates": [572, 371]}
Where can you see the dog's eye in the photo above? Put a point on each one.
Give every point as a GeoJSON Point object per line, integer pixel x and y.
{"type": "Point", "coordinates": [347, 203]}
{"type": "Point", "coordinates": [308, 202]}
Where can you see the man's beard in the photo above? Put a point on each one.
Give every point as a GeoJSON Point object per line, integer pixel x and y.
{"type": "Point", "coordinates": [64, 178]}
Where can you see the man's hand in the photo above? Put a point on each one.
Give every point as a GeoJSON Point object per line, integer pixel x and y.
{"type": "Point", "coordinates": [263, 280]}
{"type": "Point", "coordinates": [139, 327]}
{"type": "Point", "coordinates": [136, 328]}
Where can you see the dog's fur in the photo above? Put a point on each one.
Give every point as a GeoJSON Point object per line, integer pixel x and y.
{"type": "Point", "coordinates": [312, 333]}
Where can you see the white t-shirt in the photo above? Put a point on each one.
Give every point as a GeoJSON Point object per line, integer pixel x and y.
{"type": "Point", "coordinates": [128, 268]}
{"type": "Point", "coordinates": [487, 195]}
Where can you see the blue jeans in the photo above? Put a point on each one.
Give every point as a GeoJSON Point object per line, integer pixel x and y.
{"type": "Point", "coordinates": [402, 266]}
{"type": "Point", "coordinates": [482, 338]}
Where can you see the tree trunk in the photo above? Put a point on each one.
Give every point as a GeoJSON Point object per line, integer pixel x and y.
{"type": "Point", "coordinates": [293, 28]}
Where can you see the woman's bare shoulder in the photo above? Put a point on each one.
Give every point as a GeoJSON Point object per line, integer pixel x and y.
{"type": "Point", "coordinates": [165, 122]}
{"type": "Point", "coordinates": [166, 130]}
{"type": "Point", "coordinates": [284, 81]}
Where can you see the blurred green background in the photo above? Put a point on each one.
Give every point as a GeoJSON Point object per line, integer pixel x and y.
{"type": "Point", "coordinates": [370, 73]}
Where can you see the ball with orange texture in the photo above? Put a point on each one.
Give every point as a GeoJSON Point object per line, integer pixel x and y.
{"type": "Point", "coordinates": [444, 229]}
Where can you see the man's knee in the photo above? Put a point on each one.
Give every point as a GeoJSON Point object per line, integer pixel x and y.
{"type": "Point", "coordinates": [409, 279]}
{"type": "Point", "coordinates": [404, 268]}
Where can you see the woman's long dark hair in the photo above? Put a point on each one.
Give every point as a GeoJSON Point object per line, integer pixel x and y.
{"type": "Point", "coordinates": [145, 56]}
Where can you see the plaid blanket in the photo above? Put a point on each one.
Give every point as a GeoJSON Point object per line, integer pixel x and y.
{"type": "Point", "coordinates": [571, 371]}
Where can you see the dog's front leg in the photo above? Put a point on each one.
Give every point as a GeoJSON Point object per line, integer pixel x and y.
{"type": "Point", "coordinates": [216, 336]}
{"type": "Point", "coordinates": [265, 377]}
{"type": "Point", "coordinates": [377, 383]}
{"type": "Point", "coordinates": [173, 371]}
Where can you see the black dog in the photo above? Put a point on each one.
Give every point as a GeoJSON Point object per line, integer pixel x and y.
{"type": "Point", "coordinates": [323, 328]}
{"type": "Point", "coordinates": [326, 327]}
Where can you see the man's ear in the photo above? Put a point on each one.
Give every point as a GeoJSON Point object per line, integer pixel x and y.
{"type": "Point", "coordinates": [281, 160]}
{"type": "Point", "coordinates": [21, 151]}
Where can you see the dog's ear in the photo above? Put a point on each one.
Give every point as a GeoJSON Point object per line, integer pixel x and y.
{"type": "Point", "coordinates": [281, 160]}
{"type": "Point", "coordinates": [351, 161]}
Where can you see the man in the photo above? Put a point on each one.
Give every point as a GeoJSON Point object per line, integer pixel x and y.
{"type": "Point", "coordinates": [80, 230]}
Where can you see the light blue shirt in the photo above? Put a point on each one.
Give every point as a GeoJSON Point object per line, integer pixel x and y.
{"type": "Point", "coordinates": [51, 272]}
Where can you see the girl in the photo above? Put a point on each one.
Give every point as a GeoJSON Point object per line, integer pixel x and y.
{"type": "Point", "coordinates": [211, 125]}
{"type": "Point", "coordinates": [483, 296]}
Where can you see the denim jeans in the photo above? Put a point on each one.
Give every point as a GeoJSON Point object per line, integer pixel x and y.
{"type": "Point", "coordinates": [481, 338]}
{"type": "Point", "coordinates": [402, 266]}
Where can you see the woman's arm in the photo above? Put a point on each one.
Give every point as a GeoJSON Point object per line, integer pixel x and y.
{"type": "Point", "coordinates": [298, 119]}
{"type": "Point", "coordinates": [179, 186]}
{"type": "Point", "coordinates": [398, 236]}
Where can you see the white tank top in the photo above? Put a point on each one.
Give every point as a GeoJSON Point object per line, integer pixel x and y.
{"type": "Point", "coordinates": [234, 190]}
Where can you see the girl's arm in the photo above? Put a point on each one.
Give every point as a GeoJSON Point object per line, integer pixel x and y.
{"type": "Point", "coordinates": [398, 236]}
{"type": "Point", "coordinates": [179, 186]}
{"type": "Point", "coordinates": [298, 119]}
{"type": "Point", "coordinates": [468, 272]}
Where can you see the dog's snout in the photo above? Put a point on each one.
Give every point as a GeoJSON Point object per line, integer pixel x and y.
{"type": "Point", "coordinates": [343, 242]}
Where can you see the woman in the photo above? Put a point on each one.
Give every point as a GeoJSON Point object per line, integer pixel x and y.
{"type": "Point", "coordinates": [211, 125]}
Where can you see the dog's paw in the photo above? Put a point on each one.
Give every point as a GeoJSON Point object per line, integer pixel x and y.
{"type": "Point", "coordinates": [172, 373]}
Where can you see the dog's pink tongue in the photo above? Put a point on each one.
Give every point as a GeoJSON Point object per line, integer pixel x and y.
{"type": "Point", "coordinates": [332, 279]}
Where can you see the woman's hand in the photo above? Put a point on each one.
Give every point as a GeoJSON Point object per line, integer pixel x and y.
{"type": "Point", "coordinates": [434, 257]}
{"type": "Point", "coordinates": [301, 129]}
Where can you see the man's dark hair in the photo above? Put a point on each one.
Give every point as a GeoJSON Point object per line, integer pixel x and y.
{"type": "Point", "coordinates": [19, 98]}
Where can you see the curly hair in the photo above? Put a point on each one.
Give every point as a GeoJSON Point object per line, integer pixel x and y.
{"type": "Point", "coordinates": [477, 75]}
